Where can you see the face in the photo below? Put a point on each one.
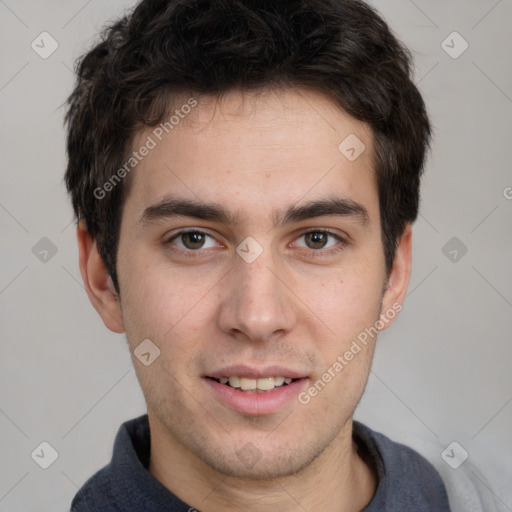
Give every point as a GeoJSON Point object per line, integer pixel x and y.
{"type": "Point", "coordinates": [250, 250]}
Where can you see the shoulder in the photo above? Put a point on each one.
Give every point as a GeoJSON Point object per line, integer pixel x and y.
{"type": "Point", "coordinates": [103, 489]}
{"type": "Point", "coordinates": [407, 481]}
{"type": "Point", "coordinates": [94, 492]}
{"type": "Point", "coordinates": [468, 488]}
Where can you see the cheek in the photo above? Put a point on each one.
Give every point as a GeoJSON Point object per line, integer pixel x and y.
{"type": "Point", "coordinates": [158, 306]}
{"type": "Point", "coordinates": [346, 302]}
{"type": "Point", "coordinates": [159, 301]}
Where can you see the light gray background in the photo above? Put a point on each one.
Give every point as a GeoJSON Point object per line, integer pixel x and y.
{"type": "Point", "coordinates": [442, 373]}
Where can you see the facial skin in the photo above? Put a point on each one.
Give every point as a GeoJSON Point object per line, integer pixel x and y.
{"type": "Point", "coordinates": [297, 307]}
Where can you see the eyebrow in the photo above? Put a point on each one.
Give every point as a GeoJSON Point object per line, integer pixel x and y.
{"type": "Point", "coordinates": [334, 206]}
{"type": "Point", "coordinates": [170, 207]}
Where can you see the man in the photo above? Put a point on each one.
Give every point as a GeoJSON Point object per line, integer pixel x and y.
{"type": "Point", "coordinates": [245, 174]}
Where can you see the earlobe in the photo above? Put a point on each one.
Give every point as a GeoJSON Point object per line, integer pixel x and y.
{"type": "Point", "coordinates": [398, 280]}
{"type": "Point", "coordinates": [97, 281]}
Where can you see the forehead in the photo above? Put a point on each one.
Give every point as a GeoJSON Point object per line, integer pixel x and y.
{"type": "Point", "coordinates": [254, 152]}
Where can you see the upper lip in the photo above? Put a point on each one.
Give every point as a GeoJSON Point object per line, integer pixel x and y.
{"type": "Point", "coordinates": [251, 372]}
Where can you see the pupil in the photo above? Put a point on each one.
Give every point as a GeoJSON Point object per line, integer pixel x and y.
{"type": "Point", "coordinates": [316, 240]}
{"type": "Point", "coordinates": [193, 240]}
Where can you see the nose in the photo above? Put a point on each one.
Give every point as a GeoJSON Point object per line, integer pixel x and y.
{"type": "Point", "coordinates": [256, 303]}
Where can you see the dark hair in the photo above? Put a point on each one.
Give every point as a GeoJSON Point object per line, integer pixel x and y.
{"type": "Point", "coordinates": [341, 48]}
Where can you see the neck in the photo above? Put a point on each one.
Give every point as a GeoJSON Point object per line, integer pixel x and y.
{"type": "Point", "coordinates": [338, 480]}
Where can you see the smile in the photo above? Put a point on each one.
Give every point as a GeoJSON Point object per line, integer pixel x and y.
{"type": "Point", "coordinates": [250, 391]}
{"type": "Point", "coordinates": [261, 385]}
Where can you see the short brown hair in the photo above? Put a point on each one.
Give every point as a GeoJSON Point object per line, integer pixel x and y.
{"type": "Point", "coordinates": [341, 48]}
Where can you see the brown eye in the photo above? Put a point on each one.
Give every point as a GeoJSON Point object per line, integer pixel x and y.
{"type": "Point", "coordinates": [319, 240]}
{"type": "Point", "coordinates": [316, 239]}
{"type": "Point", "coordinates": [193, 240]}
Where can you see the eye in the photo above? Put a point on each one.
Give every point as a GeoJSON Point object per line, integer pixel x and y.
{"type": "Point", "coordinates": [193, 240]}
{"type": "Point", "coordinates": [319, 239]}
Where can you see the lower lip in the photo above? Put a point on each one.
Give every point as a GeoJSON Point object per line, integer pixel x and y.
{"type": "Point", "coordinates": [257, 404]}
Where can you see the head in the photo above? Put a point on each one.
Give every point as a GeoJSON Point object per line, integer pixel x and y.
{"type": "Point", "coordinates": [226, 120]}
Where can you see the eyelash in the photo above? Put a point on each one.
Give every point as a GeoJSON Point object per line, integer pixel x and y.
{"type": "Point", "coordinates": [318, 253]}
{"type": "Point", "coordinates": [312, 253]}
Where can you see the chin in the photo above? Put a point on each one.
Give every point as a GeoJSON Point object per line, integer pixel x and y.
{"type": "Point", "coordinates": [252, 463]}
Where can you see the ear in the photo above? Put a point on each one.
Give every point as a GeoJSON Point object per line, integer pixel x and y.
{"type": "Point", "coordinates": [97, 281]}
{"type": "Point", "coordinates": [398, 280]}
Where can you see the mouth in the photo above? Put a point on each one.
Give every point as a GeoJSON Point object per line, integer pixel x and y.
{"type": "Point", "coordinates": [256, 392]}
{"type": "Point", "coordinates": [260, 385]}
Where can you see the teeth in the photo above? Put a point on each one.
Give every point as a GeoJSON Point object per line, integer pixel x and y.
{"type": "Point", "coordinates": [263, 384]}
{"type": "Point", "coordinates": [234, 382]}
{"type": "Point", "coordinates": [248, 384]}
